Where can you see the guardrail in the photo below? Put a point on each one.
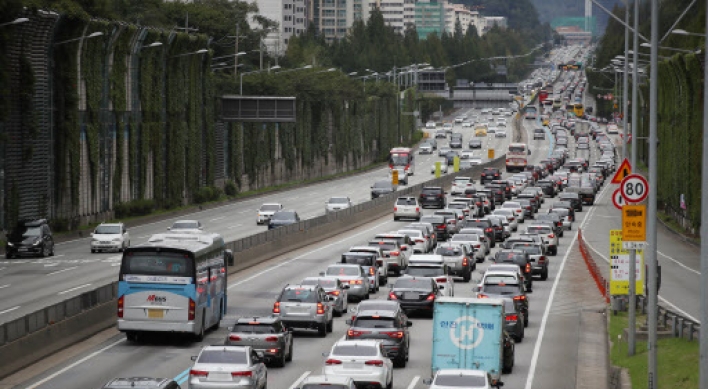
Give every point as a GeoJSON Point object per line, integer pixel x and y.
{"type": "Point", "coordinates": [32, 337]}
{"type": "Point", "coordinates": [593, 268]}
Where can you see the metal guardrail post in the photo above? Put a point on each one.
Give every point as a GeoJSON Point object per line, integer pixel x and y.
{"type": "Point", "coordinates": [674, 324]}
{"type": "Point", "coordinates": [690, 330]}
{"type": "Point", "coordinates": [680, 327]}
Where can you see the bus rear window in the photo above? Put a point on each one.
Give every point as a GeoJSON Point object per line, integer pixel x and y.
{"type": "Point", "coordinates": [517, 149]}
{"type": "Point", "coordinates": [157, 263]}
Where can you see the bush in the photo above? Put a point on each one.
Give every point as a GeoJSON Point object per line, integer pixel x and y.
{"type": "Point", "coordinates": [134, 208]}
{"type": "Point", "coordinates": [230, 188]}
{"type": "Point", "coordinates": [59, 225]}
{"type": "Point", "coordinates": [207, 193]}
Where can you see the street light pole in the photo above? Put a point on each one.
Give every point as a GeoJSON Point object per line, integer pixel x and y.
{"type": "Point", "coordinates": [703, 340]}
{"type": "Point", "coordinates": [631, 342]}
{"type": "Point", "coordinates": [625, 80]}
{"type": "Point", "coordinates": [651, 214]}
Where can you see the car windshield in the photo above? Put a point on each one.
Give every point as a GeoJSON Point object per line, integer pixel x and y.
{"type": "Point", "coordinates": [405, 201]}
{"type": "Point", "coordinates": [424, 271]}
{"type": "Point", "coordinates": [323, 282]}
{"type": "Point", "coordinates": [386, 246]}
{"type": "Point", "coordinates": [358, 350]}
{"type": "Point", "coordinates": [185, 225]}
{"type": "Point", "coordinates": [464, 237]}
{"type": "Point", "coordinates": [283, 216]}
{"type": "Point", "coordinates": [343, 271]}
{"type": "Point", "coordinates": [413, 283]}
{"type": "Point", "coordinates": [302, 295]}
{"type": "Point", "coordinates": [254, 328]}
{"type": "Point", "coordinates": [449, 251]}
{"type": "Point", "coordinates": [365, 260]}
{"type": "Point", "coordinates": [270, 207]}
{"type": "Point", "coordinates": [374, 322]}
{"type": "Point", "coordinates": [108, 230]}
{"type": "Point", "coordinates": [460, 380]}
{"type": "Point", "coordinates": [501, 288]}
{"type": "Point", "coordinates": [530, 249]}
{"type": "Point", "coordinates": [225, 355]}
{"type": "Point", "coordinates": [338, 200]}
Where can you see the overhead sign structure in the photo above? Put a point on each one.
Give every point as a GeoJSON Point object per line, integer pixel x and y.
{"type": "Point", "coordinates": [619, 267]}
{"type": "Point", "coordinates": [625, 169]}
{"type": "Point", "coordinates": [634, 223]}
{"type": "Point", "coordinates": [635, 188]}
{"type": "Point", "coordinates": [617, 199]}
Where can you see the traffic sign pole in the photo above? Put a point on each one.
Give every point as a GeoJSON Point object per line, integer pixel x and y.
{"type": "Point", "coordinates": [632, 325]}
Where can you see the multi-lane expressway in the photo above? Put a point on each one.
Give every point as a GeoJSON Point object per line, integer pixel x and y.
{"type": "Point", "coordinates": [550, 345]}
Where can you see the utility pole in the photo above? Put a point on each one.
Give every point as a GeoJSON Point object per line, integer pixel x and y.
{"type": "Point", "coordinates": [651, 214]}
{"type": "Point", "coordinates": [703, 359]}
{"type": "Point", "coordinates": [236, 52]}
{"type": "Point", "coordinates": [625, 79]}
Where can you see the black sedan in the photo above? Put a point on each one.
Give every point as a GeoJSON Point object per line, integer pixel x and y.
{"type": "Point", "coordinates": [283, 218]}
{"type": "Point", "coordinates": [415, 293]}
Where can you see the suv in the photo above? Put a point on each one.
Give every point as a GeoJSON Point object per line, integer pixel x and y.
{"type": "Point", "coordinates": [30, 238]}
{"type": "Point", "coordinates": [486, 225]}
{"type": "Point", "coordinates": [520, 258]}
{"type": "Point", "coordinates": [390, 327]}
{"type": "Point", "coordinates": [393, 254]}
{"type": "Point", "coordinates": [266, 334]}
{"type": "Point", "coordinates": [141, 383]}
{"type": "Point", "coordinates": [406, 207]}
{"type": "Point", "coordinates": [110, 236]}
{"type": "Point", "coordinates": [458, 258]}
{"type": "Point", "coordinates": [539, 133]}
{"type": "Point", "coordinates": [434, 195]}
{"type": "Point", "coordinates": [305, 306]}
{"type": "Point", "coordinates": [490, 174]}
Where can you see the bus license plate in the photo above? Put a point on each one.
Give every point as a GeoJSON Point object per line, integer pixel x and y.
{"type": "Point", "coordinates": [156, 313]}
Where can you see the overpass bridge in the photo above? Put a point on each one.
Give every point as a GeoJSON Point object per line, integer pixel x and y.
{"type": "Point", "coordinates": [473, 98]}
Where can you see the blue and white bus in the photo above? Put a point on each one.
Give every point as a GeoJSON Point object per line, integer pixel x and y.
{"type": "Point", "coordinates": [176, 282]}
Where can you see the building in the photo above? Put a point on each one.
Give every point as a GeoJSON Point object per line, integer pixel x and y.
{"type": "Point", "coordinates": [429, 17]}
{"type": "Point", "coordinates": [489, 22]}
{"type": "Point", "coordinates": [393, 13]}
{"type": "Point", "coordinates": [292, 17]}
{"type": "Point", "coordinates": [431, 81]}
{"type": "Point", "coordinates": [455, 12]}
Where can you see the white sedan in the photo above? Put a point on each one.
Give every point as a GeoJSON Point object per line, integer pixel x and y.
{"type": "Point", "coordinates": [360, 360]}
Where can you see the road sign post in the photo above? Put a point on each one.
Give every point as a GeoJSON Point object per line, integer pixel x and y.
{"type": "Point", "coordinates": [394, 177]}
{"type": "Point", "coordinates": [438, 172]}
{"type": "Point", "coordinates": [456, 164]}
{"type": "Point", "coordinates": [634, 227]}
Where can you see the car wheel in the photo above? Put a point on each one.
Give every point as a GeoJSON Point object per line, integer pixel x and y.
{"type": "Point", "coordinates": [93, 251]}
{"type": "Point", "coordinates": [395, 218]}
{"type": "Point", "coordinates": [330, 326]}
{"type": "Point", "coordinates": [51, 251]}
{"type": "Point", "coordinates": [322, 330]}
{"type": "Point", "coordinates": [400, 361]}
{"type": "Point", "coordinates": [467, 276]}
{"type": "Point", "coordinates": [338, 312]}
{"type": "Point", "coordinates": [8, 256]}
{"type": "Point", "coordinates": [390, 384]}
{"type": "Point", "coordinates": [544, 275]}
{"type": "Point", "coordinates": [281, 361]}
{"type": "Point", "coordinates": [526, 319]}
{"type": "Point", "coordinates": [45, 250]}
{"type": "Point", "coordinates": [131, 336]}
{"type": "Point", "coordinates": [290, 352]}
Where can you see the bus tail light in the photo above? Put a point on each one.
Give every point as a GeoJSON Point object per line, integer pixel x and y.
{"type": "Point", "coordinates": [192, 309]}
{"type": "Point", "coordinates": [121, 301]}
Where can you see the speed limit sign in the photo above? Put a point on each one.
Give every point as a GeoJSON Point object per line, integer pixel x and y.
{"type": "Point", "coordinates": [634, 188]}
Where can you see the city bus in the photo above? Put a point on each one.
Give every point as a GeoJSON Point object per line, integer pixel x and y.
{"type": "Point", "coordinates": [402, 157]}
{"type": "Point", "coordinates": [530, 112]}
{"type": "Point", "coordinates": [579, 110]}
{"type": "Point", "coordinates": [174, 283]}
{"type": "Point", "coordinates": [517, 157]}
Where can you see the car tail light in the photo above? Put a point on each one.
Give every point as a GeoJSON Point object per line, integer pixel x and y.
{"type": "Point", "coordinates": [234, 338]}
{"type": "Point", "coordinates": [441, 279]}
{"type": "Point", "coordinates": [460, 217]}
{"type": "Point", "coordinates": [440, 226]}
{"type": "Point", "coordinates": [542, 259]}
{"type": "Point", "coordinates": [271, 339]}
{"type": "Point", "coordinates": [520, 298]}
{"type": "Point", "coordinates": [440, 195]}
{"type": "Point", "coordinates": [276, 307]}
{"type": "Point", "coordinates": [374, 362]}
{"type": "Point", "coordinates": [417, 209]}
{"type": "Point", "coordinates": [551, 236]}
{"type": "Point", "coordinates": [479, 204]}
{"type": "Point", "coordinates": [528, 267]}
{"type": "Point", "coordinates": [483, 174]}
{"type": "Point", "coordinates": [431, 297]}
{"type": "Point", "coordinates": [355, 282]}
{"type": "Point", "coordinates": [334, 292]}
{"type": "Point", "coordinates": [121, 300]}
{"type": "Point", "coordinates": [404, 247]}
{"type": "Point", "coordinates": [355, 333]}
{"type": "Point", "coordinates": [394, 334]}
{"type": "Point", "coordinates": [392, 296]}
{"type": "Point", "coordinates": [395, 209]}
{"type": "Point", "coordinates": [371, 273]}
{"type": "Point", "coordinates": [420, 240]}
{"type": "Point", "coordinates": [482, 296]}
{"type": "Point", "coordinates": [512, 317]}
{"type": "Point", "coordinates": [465, 261]}
{"type": "Point", "coordinates": [488, 229]}
{"type": "Point", "coordinates": [192, 309]}
{"type": "Point", "coordinates": [198, 373]}
{"type": "Point", "coordinates": [395, 253]}
{"type": "Point", "coordinates": [333, 362]}
{"type": "Point", "coordinates": [528, 207]}
{"type": "Point", "coordinates": [320, 308]}
{"type": "Point", "coordinates": [477, 246]}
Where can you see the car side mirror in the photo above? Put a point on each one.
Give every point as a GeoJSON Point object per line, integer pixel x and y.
{"type": "Point", "coordinates": [194, 357]}
{"type": "Point", "coordinates": [349, 321]}
{"type": "Point", "coordinates": [169, 228]}
{"type": "Point", "coordinates": [428, 381]}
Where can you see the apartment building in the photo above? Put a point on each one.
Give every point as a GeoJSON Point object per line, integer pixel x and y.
{"type": "Point", "coordinates": [429, 17]}
{"type": "Point", "coordinates": [292, 17]}
{"type": "Point", "coordinates": [393, 12]}
{"type": "Point", "coordinates": [455, 12]}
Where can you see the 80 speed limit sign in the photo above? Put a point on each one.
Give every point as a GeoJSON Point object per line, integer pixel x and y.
{"type": "Point", "coordinates": [634, 188]}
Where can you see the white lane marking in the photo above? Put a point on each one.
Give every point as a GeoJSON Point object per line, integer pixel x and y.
{"type": "Point", "coordinates": [51, 264]}
{"type": "Point", "coordinates": [297, 381]}
{"type": "Point", "coordinates": [4, 286]}
{"type": "Point", "coordinates": [414, 382]}
{"type": "Point", "coordinates": [9, 310]}
{"type": "Point", "coordinates": [234, 226]}
{"type": "Point", "coordinates": [80, 361]}
{"type": "Point", "coordinates": [115, 264]}
{"type": "Point", "coordinates": [217, 218]}
{"type": "Point", "coordinates": [544, 320]}
{"type": "Point", "coordinates": [62, 270]}
{"type": "Point", "coordinates": [260, 273]}
{"type": "Point", "coordinates": [73, 289]}
{"type": "Point", "coordinates": [681, 311]}
{"type": "Point", "coordinates": [678, 263]}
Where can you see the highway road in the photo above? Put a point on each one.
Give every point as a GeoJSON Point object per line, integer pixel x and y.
{"type": "Point", "coordinates": [252, 292]}
{"type": "Point", "coordinates": [30, 284]}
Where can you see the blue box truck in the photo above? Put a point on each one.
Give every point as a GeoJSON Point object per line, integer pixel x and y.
{"type": "Point", "coordinates": [468, 334]}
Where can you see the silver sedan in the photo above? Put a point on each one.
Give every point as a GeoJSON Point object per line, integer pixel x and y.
{"type": "Point", "coordinates": [228, 367]}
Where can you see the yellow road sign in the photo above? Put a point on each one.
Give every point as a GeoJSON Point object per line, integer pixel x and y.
{"type": "Point", "coordinates": [438, 170]}
{"type": "Point", "coordinates": [634, 223]}
{"type": "Point", "coordinates": [456, 164]}
{"type": "Point", "coordinates": [394, 177]}
{"type": "Point", "coordinates": [490, 153]}
{"type": "Point", "coordinates": [619, 267]}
